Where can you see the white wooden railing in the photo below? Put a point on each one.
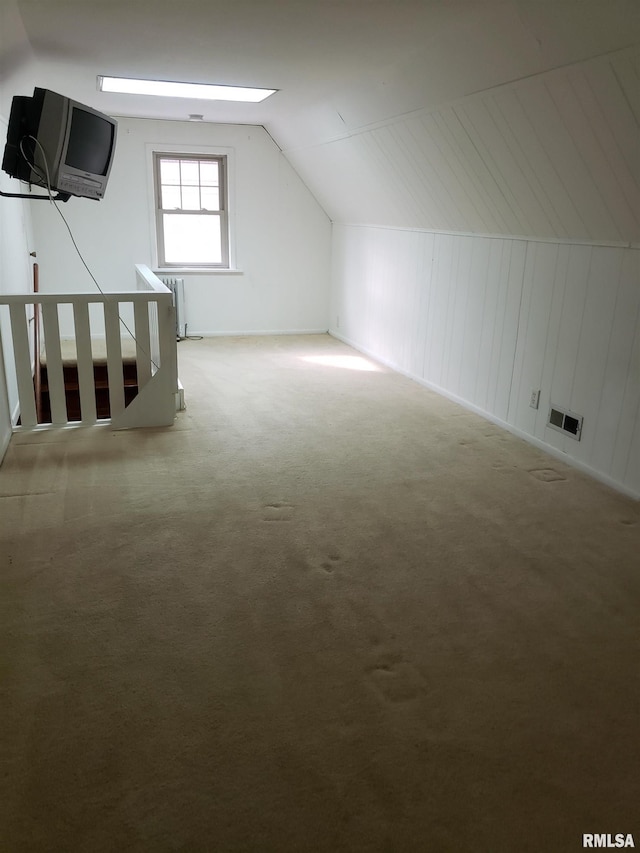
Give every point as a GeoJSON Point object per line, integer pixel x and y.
{"type": "Point", "coordinates": [154, 329]}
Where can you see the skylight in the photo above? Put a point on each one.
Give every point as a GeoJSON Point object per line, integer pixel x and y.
{"type": "Point", "coordinates": [170, 89]}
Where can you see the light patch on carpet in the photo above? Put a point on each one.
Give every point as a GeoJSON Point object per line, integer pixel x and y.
{"type": "Point", "coordinates": [346, 362]}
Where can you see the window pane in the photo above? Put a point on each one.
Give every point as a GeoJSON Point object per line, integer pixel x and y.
{"type": "Point", "coordinates": [169, 172]}
{"type": "Point", "coordinates": [210, 198]}
{"type": "Point", "coordinates": [208, 173]}
{"type": "Point", "coordinates": [189, 172]}
{"type": "Point", "coordinates": [190, 198]}
{"type": "Point", "coordinates": [192, 239]}
{"type": "Point", "coordinates": [171, 198]}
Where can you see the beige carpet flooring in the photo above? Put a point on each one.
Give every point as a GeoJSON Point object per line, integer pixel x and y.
{"type": "Point", "coordinates": [327, 611]}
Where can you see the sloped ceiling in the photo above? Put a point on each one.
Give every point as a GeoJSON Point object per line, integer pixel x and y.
{"type": "Point", "coordinates": [486, 116]}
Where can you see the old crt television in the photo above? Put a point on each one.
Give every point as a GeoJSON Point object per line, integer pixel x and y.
{"type": "Point", "coordinates": [77, 142]}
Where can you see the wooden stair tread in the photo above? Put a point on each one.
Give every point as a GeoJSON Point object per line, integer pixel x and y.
{"type": "Point", "coordinates": [98, 351]}
{"type": "Point", "coordinates": [100, 384]}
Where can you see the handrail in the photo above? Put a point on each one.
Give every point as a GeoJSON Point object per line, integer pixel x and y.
{"type": "Point", "coordinates": [86, 296]}
{"type": "Point", "coordinates": [150, 279]}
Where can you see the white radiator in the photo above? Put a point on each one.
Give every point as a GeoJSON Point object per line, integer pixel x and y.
{"type": "Point", "coordinates": [176, 286]}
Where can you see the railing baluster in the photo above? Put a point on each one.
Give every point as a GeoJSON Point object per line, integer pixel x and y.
{"type": "Point", "coordinates": [143, 342]}
{"type": "Point", "coordinates": [167, 342]}
{"type": "Point", "coordinates": [84, 356]}
{"type": "Point", "coordinates": [22, 355]}
{"type": "Point", "coordinates": [55, 376]}
{"type": "Point", "coordinates": [37, 328]}
{"type": "Point", "coordinates": [114, 358]}
{"type": "Point", "coordinates": [155, 336]}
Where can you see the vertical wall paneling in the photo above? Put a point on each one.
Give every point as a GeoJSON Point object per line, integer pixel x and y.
{"type": "Point", "coordinates": [550, 156]}
{"type": "Point", "coordinates": [550, 364]}
{"type": "Point", "coordinates": [625, 195]}
{"type": "Point", "coordinates": [485, 191]}
{"type": "Point", "coordinates": [621, 396]}
{"type": "Point", "coordinates": [402, 169]}
{"type": "Point", "coordinates": [429, 178]}
{"type": "Point", "coordinates": [566, 354]}
{"type": "Point", "coordinates": [562, 140]}
{"type": "Point", "coordinates": [506, 337]}
{"type": "Point", "coordinates": [455, 176]}
{"type": "Point", "coordinates": [533, 328]}
{"type": "Point", "coordinates": [436, 326]}
{"type": "Point", "coordinates": [610, 100]}
{"type": "Point", "coordinates": [593, 349]}
{"type": "Point", "coordinates": [488, 320]}
{"type": "Point", "coordinates": [626, 67]}
{"type": "Point", "coordinates": [526, 110]}
{"type": "Point", "coordinates": [476, 119]}
{"type": "Point", "coordinates": [415, 307]}
{"type": "Point", "coordinates": [509, 133]}
{"type": "Point", "coordinates": [452, 355]}
{"type": "Point", "coordinates": [475, 319]}
{"type": "Point", "coordinates": [604, 191]}
{"type": "Point", "coordinates": [621, 375]}
{"type": "Point", "coordinates": [487, 334]}
{"type": "Point", "coordinates": [382, 170]}
{"type": "Point", "coordinates": [632, 468]}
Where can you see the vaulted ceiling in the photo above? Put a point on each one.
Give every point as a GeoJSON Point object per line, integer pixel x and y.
{"type": "Point", "coordinates": [489, 116]}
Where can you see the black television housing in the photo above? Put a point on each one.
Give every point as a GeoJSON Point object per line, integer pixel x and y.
{"type": "Point", "coordinates": [77, 141]}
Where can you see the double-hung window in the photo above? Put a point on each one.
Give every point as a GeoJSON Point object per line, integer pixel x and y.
{"type": "Point", "coordinates": [192, 224]}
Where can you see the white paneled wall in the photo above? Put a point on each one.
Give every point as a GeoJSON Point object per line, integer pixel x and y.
{"type": "Point", "coordinates": [553, 156]}
{"type": "Point", "coordinates": [488, 320]}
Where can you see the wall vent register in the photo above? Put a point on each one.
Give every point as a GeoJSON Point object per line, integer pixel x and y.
{"type": "Point", "coordinates": [566, 422]}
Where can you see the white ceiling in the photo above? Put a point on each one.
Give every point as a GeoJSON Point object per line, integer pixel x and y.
{"type": "Point", "coordinates": [517, 117]}
{"type": "Point", "coordinates": [339, 65]}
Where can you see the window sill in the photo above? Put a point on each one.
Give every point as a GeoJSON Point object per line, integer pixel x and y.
{"type": "Point", "coordinates": [197, 271]}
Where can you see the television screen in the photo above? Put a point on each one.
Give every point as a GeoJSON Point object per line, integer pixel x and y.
{"type": "Point", "coordinates": [90, 142]}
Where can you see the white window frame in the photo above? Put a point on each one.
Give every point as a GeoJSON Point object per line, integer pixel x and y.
{"type": "Point", "coordinates": [228, 180]}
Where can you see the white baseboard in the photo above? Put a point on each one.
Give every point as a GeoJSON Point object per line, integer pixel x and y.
{"type": "Point", "coordinates": [530, 439]}
{"type": "Point", "coordinates": [243, 333]}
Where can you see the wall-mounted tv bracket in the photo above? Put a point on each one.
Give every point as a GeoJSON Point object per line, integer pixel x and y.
{"type": "Point", "coordinates": [58, 197]}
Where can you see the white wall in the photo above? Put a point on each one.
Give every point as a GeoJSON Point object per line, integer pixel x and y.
{"type": "Point", "coordinates": [17, 70]}
{"type": "Point", "coordinates": [16, 267]}
{"type": "Point", "coordinates": [16, 276]}
{"type": "Point", "coordinates": [487, 320]}
{"type": "Point", "coordinates": [282, 236]}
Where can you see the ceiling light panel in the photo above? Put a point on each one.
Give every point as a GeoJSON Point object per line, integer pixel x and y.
{"type": "Point", "coordinates": [170, 89]}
